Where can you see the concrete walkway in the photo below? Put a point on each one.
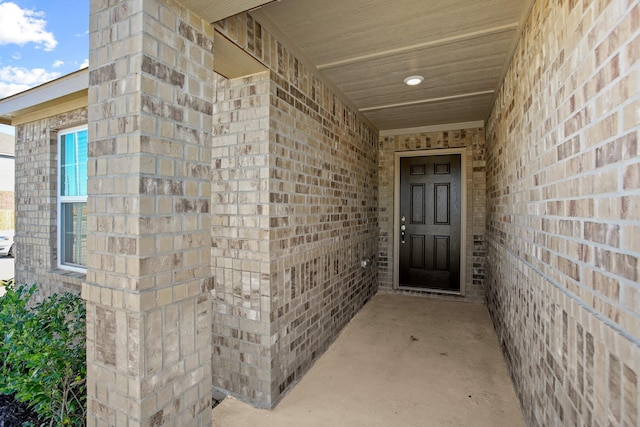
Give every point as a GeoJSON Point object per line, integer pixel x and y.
{"type": "Point", "coordinates": [402, 361]}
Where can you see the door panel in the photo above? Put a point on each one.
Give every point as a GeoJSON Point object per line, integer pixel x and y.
{"type": "Point", "coordinates": [430, 211]}
{"type": "Point", "coordinates": [441, 253]}
{"type": "Point", "coordinates": [442, 203]}
{"type": "Point", "coordinates": [418, 255]}
{"type": "Point", "coordinates": [417, 203]}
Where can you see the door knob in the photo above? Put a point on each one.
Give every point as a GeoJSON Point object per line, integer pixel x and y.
{"type": "Point", "coordinates": [403, 229]}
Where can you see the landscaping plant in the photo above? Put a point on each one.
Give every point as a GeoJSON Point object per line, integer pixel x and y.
{"type": "Point", "coordinates": [42, 346]}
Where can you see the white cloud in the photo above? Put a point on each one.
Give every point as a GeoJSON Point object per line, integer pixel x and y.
{"type": "Point", "coordinates": [57, 63]}
{"type": "Point", "coordinates": [26, 76]}
{"type": "Point", "coordinates": [7, 89]}
{"type": "Point", "coordinates": [17, 79]}
{"type": "Point", "coordinates": [85, 63]}
{"type": "Point", "coordinates": [22, 26]}
{"type": "Point", "coordinates": [16, 55]}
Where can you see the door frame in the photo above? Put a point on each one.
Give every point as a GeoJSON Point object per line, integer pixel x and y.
{"type": "Point", "coordinates": [463, 216]}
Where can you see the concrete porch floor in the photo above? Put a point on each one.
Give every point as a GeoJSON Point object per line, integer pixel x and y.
{"type": "Point", "coordinates": [402, 361]}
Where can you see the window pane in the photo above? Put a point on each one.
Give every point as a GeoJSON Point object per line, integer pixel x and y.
{"type": "Point", "coordinates": [74, 234]}
{"type": "Point", "coordinates": [73, 164]}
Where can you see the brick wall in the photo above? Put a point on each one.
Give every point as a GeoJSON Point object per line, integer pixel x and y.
{"type": "Point", "coordinates": [324, 197]}
{"type": "Point", "coordinates": [472, 140]}
{"type": "Point", "coordinates": [148, 235]}
{"type": "Point", "coordinates": [36, 203]}
{"type": "Point", "coordinates": [240, 231]}
{"type": "Point", "coordinates": [303, 184]}
{"type": "Point", "coordinates": [563, 180]}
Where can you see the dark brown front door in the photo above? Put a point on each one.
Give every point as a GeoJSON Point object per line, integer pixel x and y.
{"type": "Point", "coordinates": [430, 211]}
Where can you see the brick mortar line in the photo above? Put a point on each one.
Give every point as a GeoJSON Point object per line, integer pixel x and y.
{"type": "Point", "coordinates": [608, 322]}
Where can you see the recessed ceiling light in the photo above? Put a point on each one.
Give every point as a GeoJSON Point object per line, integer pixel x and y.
{"type": "Point", "coordinates": [414, 80]}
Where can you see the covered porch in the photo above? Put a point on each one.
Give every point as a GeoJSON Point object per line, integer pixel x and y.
{"type": "Point", "coordinates": [404, 361]}
{"type": "Point", "coordinates": [244, 202]}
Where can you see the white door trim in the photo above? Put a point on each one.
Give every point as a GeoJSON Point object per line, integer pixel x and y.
{"type": "Point", "coordinates": [463, 214]}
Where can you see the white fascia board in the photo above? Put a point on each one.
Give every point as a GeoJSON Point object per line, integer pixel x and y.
{"type": "Point", "coordinates": [66, 85]}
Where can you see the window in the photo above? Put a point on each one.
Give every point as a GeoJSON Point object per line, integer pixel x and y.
{"type": "Point", "coordinates": [72, 199]}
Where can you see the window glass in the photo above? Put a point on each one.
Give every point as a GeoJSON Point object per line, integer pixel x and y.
{"type": "Point", "coordinates": [73, 164]}
{"type": "Point", "coordinates": [72, 200]}
{"type": "Point", "coordinates": [74, 219]}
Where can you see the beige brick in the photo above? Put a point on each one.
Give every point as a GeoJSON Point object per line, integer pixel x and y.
{"type": "Point", "coordinates": [631, 238]}
{"type": "Point", "coordinates": [632, 115]}
{"type": "Point", "coordinates": [146, 179]}
{"type": "Point", "coordinates": [632, 177]}
{"type": "Point", "coordinates": [582, 168]}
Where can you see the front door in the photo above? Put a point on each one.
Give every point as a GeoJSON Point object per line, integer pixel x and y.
{"type": "Point", "coordinates": [430, 212]}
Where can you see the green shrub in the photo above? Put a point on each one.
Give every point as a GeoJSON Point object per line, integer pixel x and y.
{"type": "Point", "coordinates": [43, 351]}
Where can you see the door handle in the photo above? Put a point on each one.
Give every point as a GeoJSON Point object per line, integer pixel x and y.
{"type": "Point", "coordinates": [403, 229]}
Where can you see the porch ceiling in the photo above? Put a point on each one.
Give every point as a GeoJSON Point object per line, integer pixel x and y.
{"type": "Point", "coordinates": [367, 47]}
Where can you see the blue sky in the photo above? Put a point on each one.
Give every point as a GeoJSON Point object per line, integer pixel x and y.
{"type": "Point", "coordinates": [41, 40]}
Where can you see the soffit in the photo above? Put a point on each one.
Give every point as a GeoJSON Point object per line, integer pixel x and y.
{"type": "Point", "coordinates": [215, 10]}
{"type": "Point", "coordinates": [366, 48]}
{"type": "Point", "coordinates": [231, 61]}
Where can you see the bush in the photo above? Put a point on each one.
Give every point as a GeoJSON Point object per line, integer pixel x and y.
{"type": "Point", "coordinates": [43, 351]}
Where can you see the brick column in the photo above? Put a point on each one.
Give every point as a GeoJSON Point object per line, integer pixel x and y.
{"type": "Point", "coordinates": [148, 276]}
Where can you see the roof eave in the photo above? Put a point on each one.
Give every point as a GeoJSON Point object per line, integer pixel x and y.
{"type": "Point", "coordinates": [70, 86]}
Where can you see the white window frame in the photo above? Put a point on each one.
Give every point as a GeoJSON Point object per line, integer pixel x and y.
{"type": "Point", "coordinates": [66, 199]}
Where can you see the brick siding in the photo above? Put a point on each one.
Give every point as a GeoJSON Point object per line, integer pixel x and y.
{"type": "Point", "coordinates": [149, 184]}
{"type": "Point", "coordinates": [297, 181]}
{"type": "Point", "coordinates": [36, 204]}
{"type": "Point", "coordinates": [274, 212]}
{"type": "Point", "coordinates": [564, 213]}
